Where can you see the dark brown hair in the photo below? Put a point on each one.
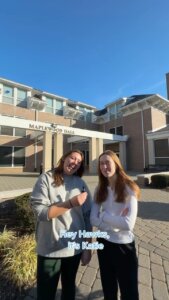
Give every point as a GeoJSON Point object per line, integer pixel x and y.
{"type": "Point", "coordinates": [122, 181]}
{"type": "Point", "coordinates": [58, 171]}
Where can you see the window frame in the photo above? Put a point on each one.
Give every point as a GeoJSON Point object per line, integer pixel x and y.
{"type": "Point", "coordinates": [12, 157]}
{"type": "Point", "coordinates": [10, 98]}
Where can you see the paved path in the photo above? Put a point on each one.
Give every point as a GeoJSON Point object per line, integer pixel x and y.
{"type": "Point", "coordinates": [152, 240]}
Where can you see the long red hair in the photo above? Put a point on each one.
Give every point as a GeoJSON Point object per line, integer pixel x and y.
{"type": "Point", "coordinates": [122, 181]}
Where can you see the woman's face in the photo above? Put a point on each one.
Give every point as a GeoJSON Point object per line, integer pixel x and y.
{"type": "Point", "coordinates": [72, 163]}
{"type": "Point", "coordinates": [107, 166]}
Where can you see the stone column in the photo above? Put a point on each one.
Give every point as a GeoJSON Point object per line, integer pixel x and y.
{"type": "Point", "coordinates": [99, 147]}
{"type": "Point", "coordinates": [47, 151]}
{"type": "Point", "coordinates": [58, 148]}
{"type": "Point", "coordinates": [95, 149]}
{"type": "Point", "coordinates": [122, 154]}
{"type": "Point", "coordinates": [151, 152]}
{"type": "Point", "coordinates": [92, 155]}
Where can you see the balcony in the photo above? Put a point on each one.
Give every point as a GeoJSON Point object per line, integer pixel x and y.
{"type": "Point", "coordinates": [35, 103]}
{"type": "Point", "coordinates": [8, 100]}
{"type": "Point", "coordinates": [101, 116]}
{"type": "Point", "coordinates": [59, 112]}
{"type": "Point", "coordinates": [72, 112]}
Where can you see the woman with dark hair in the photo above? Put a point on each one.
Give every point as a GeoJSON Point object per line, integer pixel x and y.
{"type": "Point", "coordinates": [61, 202]}
{"type": "Point", "coordinates": [115, 211]}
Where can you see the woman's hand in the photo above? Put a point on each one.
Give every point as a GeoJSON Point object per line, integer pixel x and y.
{"type": "Point", "coordinates": [79, 199]}
{"type": "Point", "coordinates": [125, 212]}
{"type": "Point", "coordinates": [86, 257]}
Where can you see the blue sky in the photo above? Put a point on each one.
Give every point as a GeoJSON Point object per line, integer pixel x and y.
{"type": "Point", "coordinates": [93, 51]}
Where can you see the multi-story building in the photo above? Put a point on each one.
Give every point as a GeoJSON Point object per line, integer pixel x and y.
{"type": "Point", "coordinates": [36, 127]}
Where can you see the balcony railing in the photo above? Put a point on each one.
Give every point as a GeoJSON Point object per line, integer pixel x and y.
{"type": "Point", "coordinates": [8, 99]}
{"type": "Point", "coordinates": [101, 116]}
{"type": "Point", "coordinates": [35, 103]}
{"type": "Point", "coordinates": [72, 113]}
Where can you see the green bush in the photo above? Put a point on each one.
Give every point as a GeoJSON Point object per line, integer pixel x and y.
{"type": "Point", "coordinates": [17, 248]}
{"type": "Point", "coordinates": [24, 217]}
{"type": "Point", "coordinates": [160, 181]}
{"type": "Point", "coordinates": [18, 265]}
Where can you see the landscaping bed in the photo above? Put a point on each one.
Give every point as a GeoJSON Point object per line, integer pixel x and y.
{"type": "Point", "coordinates": [17, 248]}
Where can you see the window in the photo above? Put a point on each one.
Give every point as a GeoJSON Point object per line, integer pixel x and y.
{"type": "Point", "coordinates": [86, 157]}
{"type": "Point", "coordinates": [20, 132]}
{"type": "Point", "coordinates": [161, 152]}
{"type": "Point", "coordinates": [161, 148]}
{"type": "Point", "coordinates": [112, 112]}
{"type": "Point", "coordinates": [115, 111]}
{"type": "Point", "coordinates": [4, 130]}
{"type": "Point", "coordinates": [118, 107]}
{"type": "Point", "coordinates": [58, 107]}
{"type": "Point", "coordinates": [12, 156]}
{"type": "Point", "coordinates": [119, 130]}
{"type": "Point", "coordinates": [8, 94]}
{"type": "Point", "coordinates": [21, 98]}
{"type": "Point", "coordinates": [88, 115]}
{"type": "Point", "coordinates": [112, 130]}
{"type": "Point", "coordinates": [5, 156]}
{"type": "Point", "coordinates": [19, 156]}
{"type": "Point", "coordinates": [82, 114]}
{"type": "Point", "coordinates": [49, 105]}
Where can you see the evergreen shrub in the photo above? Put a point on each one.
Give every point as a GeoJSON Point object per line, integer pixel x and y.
{"type": "Point", "coordinates": [24, 217]}
{"type": "Point", "coordinates": [160, 180]}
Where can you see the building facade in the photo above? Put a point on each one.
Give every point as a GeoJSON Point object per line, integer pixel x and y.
{"type": "Point", "coordinates": [36, 127]}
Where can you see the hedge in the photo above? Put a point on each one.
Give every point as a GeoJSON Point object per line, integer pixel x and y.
{"type": "Point", "coordinates": [160, 180]}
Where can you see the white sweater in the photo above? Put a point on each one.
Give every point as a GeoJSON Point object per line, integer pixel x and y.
{"type": "Point", "coordinates": [107, 217]}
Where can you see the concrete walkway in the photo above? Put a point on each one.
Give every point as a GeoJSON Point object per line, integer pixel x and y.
{"type": "Point", "coordinates": [152, 240]}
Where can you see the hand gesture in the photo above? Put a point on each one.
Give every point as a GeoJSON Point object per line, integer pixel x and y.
{"type": "Point", "coordinates": [79, 199]}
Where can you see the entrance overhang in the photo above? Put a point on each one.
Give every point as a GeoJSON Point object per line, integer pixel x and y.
{"type": "Point", "coordinates": [49, 130]}
{"type": "Point", "coordinates": [115, 138]}
{"type": "Point", "coordinates": [59, 129]}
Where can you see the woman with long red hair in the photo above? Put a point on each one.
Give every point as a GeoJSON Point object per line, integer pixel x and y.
{"type": "Point", "coordinates": [114, 211]}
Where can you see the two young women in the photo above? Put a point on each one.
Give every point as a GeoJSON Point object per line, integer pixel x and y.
{"type": "Point", "coordinates": [60, 205]}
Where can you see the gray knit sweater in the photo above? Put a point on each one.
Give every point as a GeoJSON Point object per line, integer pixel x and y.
{"type": "Point", "coordinates": [49, 233]}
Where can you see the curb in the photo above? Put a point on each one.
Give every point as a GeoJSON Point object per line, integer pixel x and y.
{"type": "Point", "coordinates": [14, 193]}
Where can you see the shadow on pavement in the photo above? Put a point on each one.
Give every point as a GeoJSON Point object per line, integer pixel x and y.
{"type": "Point", "coordinates": [82, 295]}
{"type": "Point", "coordinates": [153, 211]}
{"type": "Point", "coordinates": [8, 291]}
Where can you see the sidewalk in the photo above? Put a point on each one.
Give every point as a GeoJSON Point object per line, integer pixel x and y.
{"type": "Point", "coordinates": [15, 185]}
{"type": "Point", "coordinates": [152, 240]}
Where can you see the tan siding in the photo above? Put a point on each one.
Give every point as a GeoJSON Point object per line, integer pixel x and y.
{"type": "Point", "coordinates": [158, 118]}
{"type": "Point", "coordinates": [132, 127]}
